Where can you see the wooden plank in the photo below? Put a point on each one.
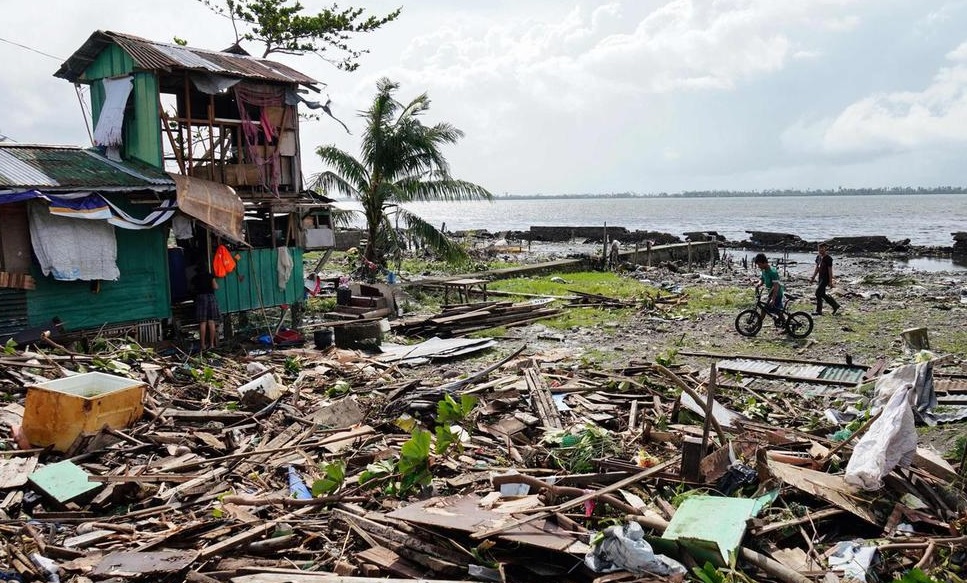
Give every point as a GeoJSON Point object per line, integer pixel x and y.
{"type": "Point", "coordinates": [248, 535]}
{"type": "Point", "coordinates": [544, 404]}
{"type": "Point", "coordinates": [303, 577]}
{"type": "Point", "coordinates": [144, 478]}
{"type": "Point", "coordinates": [389, 561]}
{"type": "Point", "coordinates": [14, 471]}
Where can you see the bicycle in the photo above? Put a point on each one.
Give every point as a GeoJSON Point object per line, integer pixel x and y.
{"type": "Point", "coordinates": [796, 324]}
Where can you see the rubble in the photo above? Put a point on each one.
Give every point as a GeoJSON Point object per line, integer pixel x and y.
{"type": "Point", "coordinates": [342, 465]}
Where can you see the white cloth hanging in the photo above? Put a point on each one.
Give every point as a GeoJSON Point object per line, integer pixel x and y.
{"type": "Point", "coordinates": [284, 266]}
{"type": "Point", "coordinates": [107, 132]}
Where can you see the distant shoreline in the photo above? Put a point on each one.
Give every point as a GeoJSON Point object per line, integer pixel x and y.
{"type": "Point", "coordinates": [920, 191]}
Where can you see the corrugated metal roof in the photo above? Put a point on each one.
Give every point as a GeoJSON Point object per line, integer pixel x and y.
{"type": "Point", "coordinates": [67, 168]}
{"type": "Point", "coordinates": [844, 373]}
{"type": "Point", "coordinates": [153, 56]}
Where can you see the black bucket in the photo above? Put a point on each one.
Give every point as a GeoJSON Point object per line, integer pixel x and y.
{"type": "Point", "coordinates": [344, 296]}
{"type": "Point", "coordinates": [322, 338]}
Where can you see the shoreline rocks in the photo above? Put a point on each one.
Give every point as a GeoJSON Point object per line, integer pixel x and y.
{"type": "Point", "coordinates": [767, 241]}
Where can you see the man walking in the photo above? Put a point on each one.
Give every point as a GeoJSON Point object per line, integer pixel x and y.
{"type": "Point", "coordinates": [824, 270]}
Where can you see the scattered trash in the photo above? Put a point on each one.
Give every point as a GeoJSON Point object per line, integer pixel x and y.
{"type": "Point", "coordinates": [623, 548]}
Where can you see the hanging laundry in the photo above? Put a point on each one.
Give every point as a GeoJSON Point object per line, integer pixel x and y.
{"type": "Point", "coordinates": [284, 267]}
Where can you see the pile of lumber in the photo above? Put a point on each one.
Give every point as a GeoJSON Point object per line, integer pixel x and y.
{"type": "Point", "coordinates": [463, 319]}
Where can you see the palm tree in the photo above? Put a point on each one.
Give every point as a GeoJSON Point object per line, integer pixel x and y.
{"type": "Point", "coordinates": [401, 162]}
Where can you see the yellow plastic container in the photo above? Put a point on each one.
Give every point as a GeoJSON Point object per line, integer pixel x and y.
{"type": "Point", "coordinates": [57, 412]}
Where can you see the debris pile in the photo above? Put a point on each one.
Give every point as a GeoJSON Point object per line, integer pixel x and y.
{"type": "Point", "coordinates": [338, 465]}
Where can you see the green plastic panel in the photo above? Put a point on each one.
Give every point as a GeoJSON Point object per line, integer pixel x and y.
{"type": "Point", "coordinates": [63, 481]}
{"type": "Point", "coordinates": [140, 293]}
{"type": "Point", "coordinates": [254, 282]}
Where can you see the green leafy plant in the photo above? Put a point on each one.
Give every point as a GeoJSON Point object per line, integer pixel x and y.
{"type": "Point", "coordinates": [708, 573]}
{"type": "Point", "coordinates": [410, 470]}
{"type": "Point", "coordinates": [915, 576]}
{"type": "Point", "coordinates": [957, 451]}
{"type": "Point", "coordinates": [292, 365]}
{"type": "Point", "coordinates": [338, 389]}
{"type": "Point", "coordinates": [10, 347]}
{"type": "Point", "coordinates": [377, 472]}
{"type": "Point", "coordinates": [414, 463]}
{"type": "Point", "coordinates": [334, 474]}
{"type": "Point", "coordinates": [579, 447]}
{"type": "Point", "coordinates": [451, 412]}
{"type": "Point", "coordinates": [667, 357]}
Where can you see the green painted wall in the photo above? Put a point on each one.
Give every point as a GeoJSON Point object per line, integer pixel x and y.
{"type": "Point", "coordinates": [140, 293]}
{"type": "Point", "coordinates": [254, 282]}
{"type": "Point", "coordinates": [142, 129]}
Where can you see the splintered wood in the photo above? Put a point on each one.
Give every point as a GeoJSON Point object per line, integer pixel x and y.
{"type": "Point", "coordinates": [363, 470]}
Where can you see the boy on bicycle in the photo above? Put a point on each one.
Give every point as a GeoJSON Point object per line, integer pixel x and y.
{"type": "Point", "coordinates": [770, 280]}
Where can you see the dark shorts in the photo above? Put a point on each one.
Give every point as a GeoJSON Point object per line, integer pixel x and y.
{"type": "Point", "coordinates": [206, 308]}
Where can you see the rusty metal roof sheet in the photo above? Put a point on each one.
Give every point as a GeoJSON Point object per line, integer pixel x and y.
{"type": "Point", "coordinates": [154, 56]}
{"type": "Point", "coordinates": [70, 168]}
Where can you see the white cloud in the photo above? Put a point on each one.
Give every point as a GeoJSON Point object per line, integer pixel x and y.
{"type": "Point", "coordinates": [596, 95]}
{"type": "Point", "coordinates": [894, 122]}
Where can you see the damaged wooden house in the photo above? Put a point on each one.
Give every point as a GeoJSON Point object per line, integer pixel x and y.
{"type": "Point", "coordinates": [193, 150]}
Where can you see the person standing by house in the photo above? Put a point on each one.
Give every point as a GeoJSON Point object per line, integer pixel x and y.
{"type": "Point", "coordinates": [206, 308]}
{"type": "Point", "coordinates": [824, 270]}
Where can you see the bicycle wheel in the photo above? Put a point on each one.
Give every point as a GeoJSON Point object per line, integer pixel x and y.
{"type": "Point", "coordinates": [748, 322]}
{"type": "Point", "coordinates": [799, 324]}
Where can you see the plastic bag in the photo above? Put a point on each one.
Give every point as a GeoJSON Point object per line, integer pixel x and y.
{"type": "Point", "coordinates": [623, 548]}
{"type": "Point", "coordinates": [223, 263]}
{"type": "Point", "coordinates": [890, 441]}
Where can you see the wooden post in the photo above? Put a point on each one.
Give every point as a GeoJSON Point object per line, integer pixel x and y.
{"type": "Point", "coordinates": [636, 253]}
{"type": "Point", "coordinates": [711, 255]}
{"type": "Point", "coordinates": [709, 403]}
{"type": "Point", "coordinates": [916, 338]}
{"type": "Point", "coordinates": [689, 255]}
{"type": "Point", "coordinates": [692, 454]}
{"type": "Point", "coordinates": [648, 249]}
{"type": "Point", "coordinates": [604, 250]}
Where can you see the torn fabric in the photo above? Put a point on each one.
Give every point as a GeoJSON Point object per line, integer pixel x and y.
{"type": "Point", "coordinates": [107, 132]}
{"type": "Point", "coordinates": [86, 205]}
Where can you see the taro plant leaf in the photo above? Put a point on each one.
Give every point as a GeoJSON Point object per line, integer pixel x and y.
{"type": "Point", "coordinates": [377, 470]}
{"type": "Point", "coordinates": [414, 464]}
{"type": "Point", "coordinates": [10, 347]}
{"type": "Point", "coordinates": [334, 474]}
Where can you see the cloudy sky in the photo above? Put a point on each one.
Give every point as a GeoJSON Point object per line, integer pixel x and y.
{"type": "Point", "coordinates": [596, 97]}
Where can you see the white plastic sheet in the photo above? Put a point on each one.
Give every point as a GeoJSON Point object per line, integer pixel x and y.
{"type": "Point", "coordinates": [891, 441]}
{"type": "Point", "coordinates": [625, 549]}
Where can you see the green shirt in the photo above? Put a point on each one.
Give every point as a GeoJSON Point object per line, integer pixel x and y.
{"type": "Point", "coordinates": [769, 277]}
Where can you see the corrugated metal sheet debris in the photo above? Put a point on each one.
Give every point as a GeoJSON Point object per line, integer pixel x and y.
{"type": "Point", "coordinates": [844, 373]}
